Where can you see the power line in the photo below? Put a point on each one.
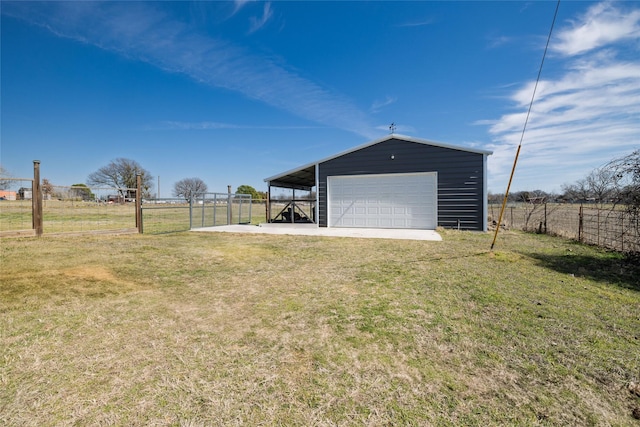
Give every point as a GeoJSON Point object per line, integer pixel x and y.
{"type": "Point", "coordinates": [524, 128]}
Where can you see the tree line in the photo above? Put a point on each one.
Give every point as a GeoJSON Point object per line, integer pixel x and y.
{"type": "Point", "coordinates": [617, 182]}
{"type": "Point", "coordinates": [121, 175]}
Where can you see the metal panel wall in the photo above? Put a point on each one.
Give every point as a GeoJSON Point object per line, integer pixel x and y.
{"type": "Point", "coordinates": [461, 202]}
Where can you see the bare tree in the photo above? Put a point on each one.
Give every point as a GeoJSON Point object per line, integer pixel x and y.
{"type": "Point", "coordinates": [121, 174]}
{"type": "Point", "coordinates": [4, 183]}
{"type": "Point", "coordinates": [189, 187]}
{"type": "Point", "coordinates": [602, 183]}
{"type": "Point", "coordinates": [576, 192]}
{"type": "Point", "coordinates": [626, 171]}
{"type": "Point", "coordinates": [599, 186]}
{"type": "Point", "coordinates": [47, 188]}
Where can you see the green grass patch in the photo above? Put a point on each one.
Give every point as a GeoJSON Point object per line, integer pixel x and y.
{"type": "Point", "coordinates": [211, 329]}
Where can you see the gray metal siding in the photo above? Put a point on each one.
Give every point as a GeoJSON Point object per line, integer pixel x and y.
{"type": "Point", "coordinates": [460, 177]}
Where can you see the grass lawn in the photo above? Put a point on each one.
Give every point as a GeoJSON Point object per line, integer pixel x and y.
{"type": "Point", "coordinates": [192, 329]}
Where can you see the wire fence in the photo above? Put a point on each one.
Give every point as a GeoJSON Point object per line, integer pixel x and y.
{"type": "Point", "coordinates": [29, 207]}
{"type": "Point", "coordinates": [611, 227]}
{"type": "Point", "coordinates": [16, 210]}
{"type": "Point", "coordinates": [82, 209]}
{"type": "Point", "coordinates": [79, 209]}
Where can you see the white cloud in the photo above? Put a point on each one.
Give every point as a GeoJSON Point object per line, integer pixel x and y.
{"type": "Point", "coordinates": [380, 104]}
{"type": "Point", "coordinates": [422, 23]}
{"type": "Point", "coordinates": [602, 24]}
{"type": "Point", "coordinates": [498, 41]}
{"type": "Point", "coordinates": [257, 23]}
{"type": "Point", "coordinates": [239, 4]}
{"type": "Point", "coordinates": [579, 120]}
{"type": "Point", "coordinates": [142, 31]}
{"type": "Point", "coordinates": [205, 125]}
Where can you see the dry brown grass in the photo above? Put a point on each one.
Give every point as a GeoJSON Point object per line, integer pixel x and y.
{"type": "Point", "coordinates": [223, 329]}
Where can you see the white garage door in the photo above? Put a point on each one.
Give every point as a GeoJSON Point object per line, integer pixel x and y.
{"type": "Point", "coordinates": [383, 201]}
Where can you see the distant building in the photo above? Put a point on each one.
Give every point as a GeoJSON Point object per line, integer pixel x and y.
{"type": "Point", "coordinates": [25, 193]}
{"type": "Point", "coordinates": [7, 195]}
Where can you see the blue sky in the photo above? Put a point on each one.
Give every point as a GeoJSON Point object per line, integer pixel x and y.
{"type": "Point", "coordinates": [233, 92]}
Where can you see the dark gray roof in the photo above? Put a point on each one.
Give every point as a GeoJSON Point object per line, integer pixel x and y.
{"type": "Point", "coordinates": [299, 179]}
{"type": "Point", "coordinates": [304, 177]}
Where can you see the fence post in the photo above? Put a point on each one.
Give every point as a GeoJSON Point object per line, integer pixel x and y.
{"type": "Point", "coordinates": [622, 231]}
{"type": "Point", "coordinates": [191, 212]}
{"type": "Point", "coordinates": [580, 223]}
{"type": "Point", "coordinates": [545, 218]}
{"type": "Point", "coordinates": [228, 205]}
{"type": "Point", "coordinates": [36, 199]}
{"type": "Point", "coordinates": [215, 207]}
{"type": "Point", "coordinates": [598, 233]}
{"type": "Point", "coordinates": [139, 203]}
{"type": "Point", "coordinates": [204, 197]}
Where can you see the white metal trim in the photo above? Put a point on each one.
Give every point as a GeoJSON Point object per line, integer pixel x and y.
{"type": "Point", "coordinates": [485, 194]}
{"type": "Point", "coordinates": [317, 207]}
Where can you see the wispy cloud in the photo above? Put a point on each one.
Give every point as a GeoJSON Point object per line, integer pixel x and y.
{"type": "Point", "coordinates": [498, 41]}
{"type": "Point", "coordinates": [239, 4]}
{"type": "Point", "coordinates": [587, 115]}
{"type": "Point", "coordinates": [603, 24]}
{"type": "Point", "coordinates": [206, 125]}
{"type": "Point", "coordinates": [257, 23]}
{"type": "Point", "coordinates": [142, 31]}
{"type": "Point", "coordinates": [421, 23]}
{"type": "Point", "coordinates": [379, 104]}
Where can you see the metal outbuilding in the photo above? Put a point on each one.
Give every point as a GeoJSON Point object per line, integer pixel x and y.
{"type": "Point", "coordinates": [393, 182]}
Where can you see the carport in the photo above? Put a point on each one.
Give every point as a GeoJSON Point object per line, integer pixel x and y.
{"type": "Point", "coordinates": [295, 209]}
{"type": "Point", "coordinates": [396, 182]}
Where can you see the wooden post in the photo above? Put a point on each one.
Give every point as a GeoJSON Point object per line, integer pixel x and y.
{"type": "Point", "coordinates": [510, 225]}
{"type": "Point", "coordinates": [580, 216]}
{"type": "Point", "coordinates": [622, 231]}
{"type": "Point", "coordinates": [598, 222]}
{"type": "Point", "coordinates": [36, 199]}
{"type": "Point", "coordinates": [139, 203]}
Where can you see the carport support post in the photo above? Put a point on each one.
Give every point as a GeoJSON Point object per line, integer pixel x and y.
{"type": "Point", "coordinates": [36, 199]}
{"type": "Point", "coordinates": [268, 205]}
{"type": "Point", "coordinates": [293, 205]}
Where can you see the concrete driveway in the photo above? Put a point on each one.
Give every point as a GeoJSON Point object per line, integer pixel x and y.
{"type": "Point", "coordinates": [314, 230]}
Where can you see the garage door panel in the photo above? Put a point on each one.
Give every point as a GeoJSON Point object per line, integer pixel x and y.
{"type": "Point", "coordinates": [383, 201]}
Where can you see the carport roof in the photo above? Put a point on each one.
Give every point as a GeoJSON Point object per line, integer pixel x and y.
{"type": "Point", "coordinates": [304, 177]}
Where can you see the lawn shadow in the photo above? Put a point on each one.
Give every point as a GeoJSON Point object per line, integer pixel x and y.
{"type": "Point", "coordinates": [611, 268]}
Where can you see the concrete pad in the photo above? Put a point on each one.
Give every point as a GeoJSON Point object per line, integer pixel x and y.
{"type": "Point", "coordinates": [314, 230]}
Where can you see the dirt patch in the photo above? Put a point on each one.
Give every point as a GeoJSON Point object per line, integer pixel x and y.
{"type": "Point", "coordinates": [92, 273]}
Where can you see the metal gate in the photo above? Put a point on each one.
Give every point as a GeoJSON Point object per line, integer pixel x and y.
{"type": "Point", "coordinates": [202, 210]}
